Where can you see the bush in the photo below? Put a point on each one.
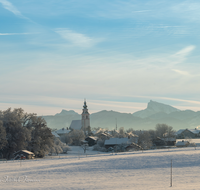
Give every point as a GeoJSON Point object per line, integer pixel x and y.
{"type": "Point", "coordinates": [98, 148]}
{"type": "Point", "coordinates": [74, 138]}
{"type": "Point", "coordinates": [100, 142]}
{"type": "Point", "coordinates": [192, 145]}
{"type": "Point", "coordinates": [120, 148]}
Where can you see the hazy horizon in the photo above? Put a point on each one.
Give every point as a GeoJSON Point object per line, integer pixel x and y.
{"type": "Point", "coordinates": [92, 108]}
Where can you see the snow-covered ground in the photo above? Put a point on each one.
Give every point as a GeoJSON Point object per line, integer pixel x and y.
{"type": "Point", "coordinates": [130, 170]}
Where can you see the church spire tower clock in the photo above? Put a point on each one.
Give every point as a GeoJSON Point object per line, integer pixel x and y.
{"type": "Point", "coordinates": [85, 117]}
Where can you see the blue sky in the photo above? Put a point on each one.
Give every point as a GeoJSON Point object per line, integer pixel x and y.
{"type": "Point", "coordinates": [116, 54]}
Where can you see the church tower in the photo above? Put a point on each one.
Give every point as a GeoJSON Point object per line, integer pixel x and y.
{"type": "Point", "coordinates": [85, 118]}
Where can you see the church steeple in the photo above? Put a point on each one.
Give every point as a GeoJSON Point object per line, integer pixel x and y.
{"type": "Point", "coordinates": [85, 105]}
{"type": "Point", "coordinates": [85, 117]}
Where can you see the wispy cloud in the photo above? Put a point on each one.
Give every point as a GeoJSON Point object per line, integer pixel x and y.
{"type": "Point", "coordinates": [187, 10]}
{"type": "Point", "coordinates": [75, 38]}
{"type": "Point", "coordinates": [10, 7]}
{"type": "Point", "coordinates": [181, 100]}
{"type": "Point", "coordinates": [167, 98]}
{"type": "Point", "coordinates": [185, 73]}
{"type": "Point", "coordinates": [185, 51]}
{"type": "Point", "coordinates": [10, 34]}
{"type": "Point", "coordinates": [180, 56]}
{"type": "Point", "coordinates": [142, 11]}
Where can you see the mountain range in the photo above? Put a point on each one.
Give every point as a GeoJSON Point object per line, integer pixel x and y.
{"type": "Point", "coordinates": [141, 120]}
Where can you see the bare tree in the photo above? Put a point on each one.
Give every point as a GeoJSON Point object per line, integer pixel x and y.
{"type": "Point", "coordinates": [144, 140]}
{"type": "Point", "coordinates": [152, 134]}
{"type": "Point", "coordinates": [84, 147]}
{"type": "Point", "coordinates": [163, 130]}
{"type": "Point", "coordinates": [121, 132]}
{"type": "Point", "coordinates": [76, 137]}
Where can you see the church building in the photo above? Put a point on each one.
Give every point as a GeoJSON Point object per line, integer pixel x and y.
{"type": "Point", "coordinates": [84, 123]}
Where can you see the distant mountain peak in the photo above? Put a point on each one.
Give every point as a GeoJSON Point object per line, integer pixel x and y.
{"type": "Point", "coordinates": [146, 119]}
{"type": "Point", "coordinates": [65, 112]}
{"type": "Point", "coordinates": [160, 107]}
{"type": "Point", "coordinates": [155, 107]}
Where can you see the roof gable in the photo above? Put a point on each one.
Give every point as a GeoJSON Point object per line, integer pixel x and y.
{"type": "Point", "coordinates": [62, 131]}
{"type": "Point", "coordinates": [76, 124]}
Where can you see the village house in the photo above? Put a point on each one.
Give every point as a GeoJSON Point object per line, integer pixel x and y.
{"type": "Point", "coordinates": [167, 141]}
{"type": "Point", "coordinates": [91, 141]}
{"type": "Point", "coordinates": [102, 134]}
{"type": "Point", "coordinates": [126, 143]}
{"type": "Point", "coordinates": [188, 133]}
{"type": "Point", "coordinates": [55, 134]}
{"type": "Point", "coordinates": [182, 143]}
{"type": "Point", "coordinates": [133, 137]}
{"type": "Point", "coordinates": [116, 141]}
{"type": "Point", "coordinates": [24, 153]}
{"type": "Point", "coordinates": [62, 132]}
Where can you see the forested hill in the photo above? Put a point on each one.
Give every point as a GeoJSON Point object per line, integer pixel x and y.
{"type": "Point", "coordinates": [145, 119]}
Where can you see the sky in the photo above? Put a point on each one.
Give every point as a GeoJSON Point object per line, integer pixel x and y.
{"type": "Point", "coordinates": [117, 54]}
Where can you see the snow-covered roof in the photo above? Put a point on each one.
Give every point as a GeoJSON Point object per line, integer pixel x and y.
{"type": "Point", "coordinates": [98, 131]}
{"type": "Point", "coordinates": [76, 124]}
{"type": "Point", "coordinates": [94, 132]}
{"type": "Point", "coordinates": [113, 141]}
{"type": "Point", "coordinates": [62, 131]}
{"type": "Point", "coordinates": [55, 134]}
{"type": "Point", "coordinates": [107, 134]}
{"type": "Point", "coordinates": [182, 143]}
{"type": "Point", "coordinates": [91, 137]}
{"type": "Point", "coordinates": [180, 131]}
{"type": "Point", "coordinates": [25, 151]}
{"type": "Point", "coordinates": [112, 132]}
{"type": "Point", "coordinates": [169, 139]}
{"type": "Point", "coordinates": [103, 132]}
{"type": "Point", "coordinates": [194, 131]}
{"type": "Point", "coordinates": [131, 134]}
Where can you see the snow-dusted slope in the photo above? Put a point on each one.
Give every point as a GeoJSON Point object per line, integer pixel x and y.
{"type": "Point", "coordinates": [147, 170]}
{"type": "Point", "coordinates": [153, 108]}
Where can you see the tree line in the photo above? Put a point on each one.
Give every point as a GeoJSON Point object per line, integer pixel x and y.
{"type": "Point", "coordinates": [27, 131]}
{"type": "Point", "coordinates": [146, 138]}
{"type": "Point", "coordinates": [20, 130]}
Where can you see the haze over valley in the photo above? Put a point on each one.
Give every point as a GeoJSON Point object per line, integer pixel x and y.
{"type": "Point", "coordinates": [141, 120]}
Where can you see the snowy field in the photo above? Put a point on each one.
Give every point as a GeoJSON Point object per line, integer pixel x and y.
{"type": "Point", "coordinates": [132, 170]}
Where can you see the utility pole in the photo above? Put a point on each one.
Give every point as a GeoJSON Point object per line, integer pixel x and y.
{"type": "Point", "coordinates": [116, 123]}
{"type": "Point", "coordinates": [171, 175]}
